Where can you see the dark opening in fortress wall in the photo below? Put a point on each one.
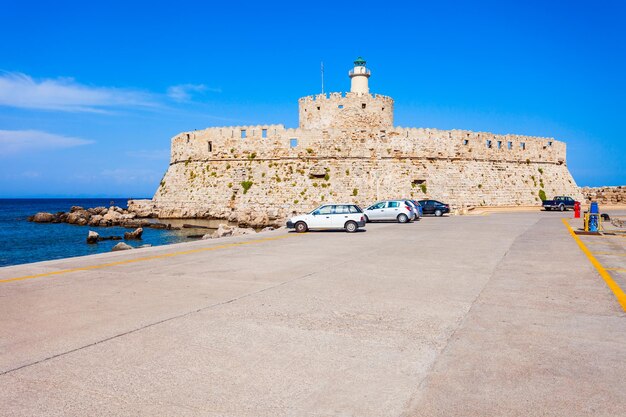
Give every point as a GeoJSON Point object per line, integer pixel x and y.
{"type": "Point", "coordinates": [347, 149]}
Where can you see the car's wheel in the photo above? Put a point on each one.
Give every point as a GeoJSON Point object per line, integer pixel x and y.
{"type": "Point", "coordinates": [403, 218]}
{"type": "Point", "coordinates": [301, 227]}
{"type": "Point", "coordinates": [562, 207]}
{"type": "Point", "coordinates": [367, 219]}
{"type": "Point", "coordinates": [438, 213]}
{"type": "Point", "coordinates": [548, 209]}
{"type": "Point", "coordinates": [351, 227]}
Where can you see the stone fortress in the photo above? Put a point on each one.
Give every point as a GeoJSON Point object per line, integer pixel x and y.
{"type": "Point", "coordinates": [347, 149]}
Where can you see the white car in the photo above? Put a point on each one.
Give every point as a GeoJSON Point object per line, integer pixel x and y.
{"type": "Point", "coordinates": [417, 209]}
{"type": "Point", "coordinates": [329, 216]}
{"type": "Point", "coordinates": [399, 210]}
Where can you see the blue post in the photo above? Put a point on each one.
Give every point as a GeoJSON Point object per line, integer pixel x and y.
{"type": "Point", "coordinates": [594, 214]}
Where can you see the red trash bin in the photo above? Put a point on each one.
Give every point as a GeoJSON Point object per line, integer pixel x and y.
{"type": "Point", "coordinates": [576, 210]}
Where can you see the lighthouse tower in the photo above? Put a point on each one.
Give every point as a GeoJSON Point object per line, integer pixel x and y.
{"type": "Point", "coordinates": [359, 76]}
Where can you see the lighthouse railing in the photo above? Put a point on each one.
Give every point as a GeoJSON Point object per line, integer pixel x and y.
{"type": "Point", "coordinates": [365, 72]}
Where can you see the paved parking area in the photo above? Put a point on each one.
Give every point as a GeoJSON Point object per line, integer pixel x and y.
{"type": "Point", "coordinates": [609, 251]}
{"type": "Point", "coordinates": [500, 314]}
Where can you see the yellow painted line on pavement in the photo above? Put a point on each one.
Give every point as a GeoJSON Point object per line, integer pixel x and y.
{"type": "Point", "coordinates": [145, 258]}
{"type": "Point", "coordinates": [617, 291]}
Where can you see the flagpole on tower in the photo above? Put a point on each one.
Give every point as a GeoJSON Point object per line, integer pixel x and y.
{"type": "Point", "coordinates": [322, 77]}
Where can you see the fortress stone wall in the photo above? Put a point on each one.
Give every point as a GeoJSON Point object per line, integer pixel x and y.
{"type": "Point", "coordinates": [346, 149]}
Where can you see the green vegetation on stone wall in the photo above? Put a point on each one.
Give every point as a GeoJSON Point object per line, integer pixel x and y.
{"type": "Point", "coordinates": [246, 186]}
{"type": "Point", "coordinates": [542, 195]}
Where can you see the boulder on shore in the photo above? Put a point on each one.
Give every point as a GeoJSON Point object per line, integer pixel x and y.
{"type": "Point", "coordinates": [121, 246]}
{"type": "Point", "coordinates": [75, 217]}
{"type": "Point", "coordinates": [95, 220]}
{"type": "Point", "coordinates": [160, 226]}
{"type": "Point", "coordinates": [224, 230]}
{"type": "Point", "coordinates": [43, 218]}
{"type": "Point", "coordinates": [135, 235]}
{"type": "Point", "coordinates": [113, 216]}
{"type": "Point", "coordinates": [243, 231]}
{"type": "Point", "coordinates": [132, 224]}
{"type": "Point", "coordinates": [93, 237]}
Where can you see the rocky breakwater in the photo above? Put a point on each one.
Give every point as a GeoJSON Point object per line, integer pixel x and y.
{"type": "Point", "coordinates": [605, 195]}
{"type": "Point", "coordinates": [257, 216]}
{"type": "Point", "coordinates": [98, 216]}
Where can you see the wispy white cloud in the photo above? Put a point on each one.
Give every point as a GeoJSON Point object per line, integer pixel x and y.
{"type": "Point", "coordinates": [65, 94]}
{"type": "Point", "coordinates": [185, 92]}
{"type": "Point", "coordinates": [18, 141]}
{"type": "Point", "coordinates": [29, 175]}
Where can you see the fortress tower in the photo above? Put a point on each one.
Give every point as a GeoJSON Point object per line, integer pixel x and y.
{"type": "Point", "coordinates": [359, 76]}
{"type": "Point", "coordinates": [357, 109]}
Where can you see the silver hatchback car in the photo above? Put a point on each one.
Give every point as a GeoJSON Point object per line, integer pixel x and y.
{"type": "Point", "coordinates": [398, 210]}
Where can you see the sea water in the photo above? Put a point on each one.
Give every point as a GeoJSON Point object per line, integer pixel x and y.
{"type": "Point", "coordinates": [22, 241]}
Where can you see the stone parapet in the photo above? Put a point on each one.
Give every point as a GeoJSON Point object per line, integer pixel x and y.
{"type": "Point", "coordinates": [265, 142]}
{"type": "Point", "coordinates": [605, 195]}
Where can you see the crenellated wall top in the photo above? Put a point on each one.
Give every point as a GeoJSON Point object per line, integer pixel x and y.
{"type": "Point", "coordinates": [333, 97]}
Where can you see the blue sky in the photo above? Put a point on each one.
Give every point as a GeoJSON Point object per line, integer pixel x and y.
{"type": "Point", "coordinates": [92, 92]}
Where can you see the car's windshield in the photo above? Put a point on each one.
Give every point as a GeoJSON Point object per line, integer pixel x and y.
{"type": "Point", "coordinates": [377, 206]}
{"type": "Point", "coordinates": [316, 210]}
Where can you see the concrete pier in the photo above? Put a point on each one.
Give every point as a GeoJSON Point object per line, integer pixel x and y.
{"type": "Point", "coordinates": [495, 315]}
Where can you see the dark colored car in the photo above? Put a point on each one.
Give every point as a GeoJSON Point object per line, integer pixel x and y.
{"type": "Point", "coordinates": [434, 207]}
{"type": "Point", "coordinates": [561, 203]}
